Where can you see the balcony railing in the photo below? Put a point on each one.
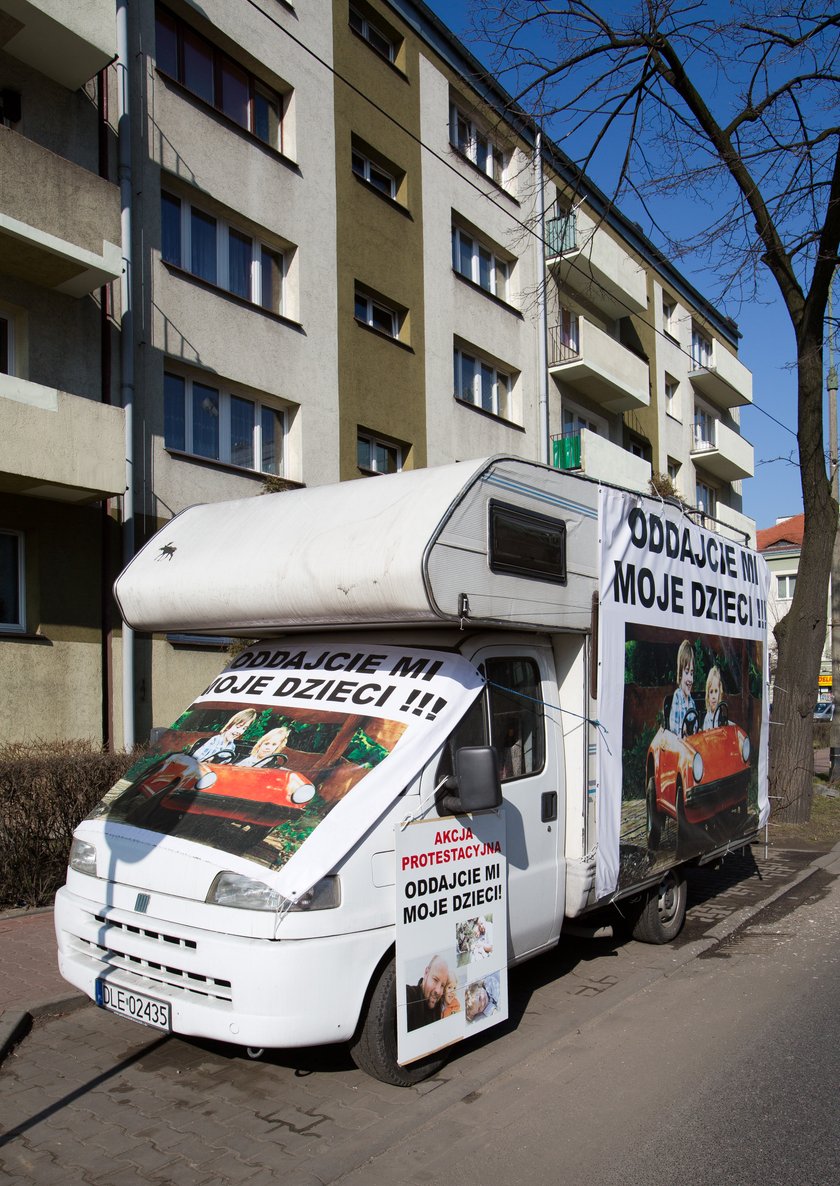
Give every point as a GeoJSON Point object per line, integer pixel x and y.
{"type": "Point", "coordinates": [565, 450]}
{"type": "Point", "coordinates": [561, 235]}
{"type": "Point", "coordinates": [564, 341]}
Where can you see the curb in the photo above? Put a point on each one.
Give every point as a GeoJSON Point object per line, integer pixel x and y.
{"type": "Point", "coordinates": [15, 1024]}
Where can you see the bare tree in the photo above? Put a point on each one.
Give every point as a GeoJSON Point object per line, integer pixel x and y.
{"type": "Point", "coordinates": [739, 111]}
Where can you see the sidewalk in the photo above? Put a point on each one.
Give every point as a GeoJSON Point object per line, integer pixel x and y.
{"type": "Point", "coordinates": [30, 983]}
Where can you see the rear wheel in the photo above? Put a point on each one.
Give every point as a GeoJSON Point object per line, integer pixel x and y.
{"type": "Point", "coordinates": [374, 1049]}
{"type": "Point", "coordinates": [663, 914]}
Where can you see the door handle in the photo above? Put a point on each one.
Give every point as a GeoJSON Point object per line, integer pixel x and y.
{"type": "Point", "coordinates": [548, 810]}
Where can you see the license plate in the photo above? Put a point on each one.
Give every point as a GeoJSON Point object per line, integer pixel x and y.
{"type": "Point", "coordinates": [135, 1005]}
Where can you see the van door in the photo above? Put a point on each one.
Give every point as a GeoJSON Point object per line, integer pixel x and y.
{"type": "Point", "coordinates": [512, 715]}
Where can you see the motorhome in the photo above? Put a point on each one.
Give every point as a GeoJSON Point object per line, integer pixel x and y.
{"type": "Point", "coordinates": [514, 658]}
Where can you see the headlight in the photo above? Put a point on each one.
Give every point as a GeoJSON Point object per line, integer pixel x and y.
{"type": "Point", "coordinates": [244, 893]}
{"type": "Point", "coordinates": [697, 768]}
{"type": "Point", "coordinates": [745, 748]}
{"type": "Point", "coordinates": [324, 895]}
{"type": "Point", "coordinates": [82, 857]}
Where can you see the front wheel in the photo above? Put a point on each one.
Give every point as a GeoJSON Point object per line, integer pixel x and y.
{"type": "Point", "coordinates": [374, 1049]}
{"type": "Point", "coordinates": [663, 914]}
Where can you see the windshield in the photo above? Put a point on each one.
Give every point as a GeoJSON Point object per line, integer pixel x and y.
{"type": "Point", "coordinates": [253, 767]}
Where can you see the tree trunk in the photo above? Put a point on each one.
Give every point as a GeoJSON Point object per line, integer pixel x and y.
{"type": "Point", "coordinates": [801, 633]}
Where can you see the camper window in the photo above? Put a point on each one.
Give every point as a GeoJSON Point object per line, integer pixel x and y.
{"type": "Point", "coordinates": [527, 543]}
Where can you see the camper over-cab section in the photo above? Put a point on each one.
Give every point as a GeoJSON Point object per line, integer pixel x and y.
{"type": "Point", "coordinates": [454, 544]}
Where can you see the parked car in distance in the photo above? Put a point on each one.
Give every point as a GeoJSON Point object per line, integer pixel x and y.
{"type": "Point", "coordinates": [824, 711]}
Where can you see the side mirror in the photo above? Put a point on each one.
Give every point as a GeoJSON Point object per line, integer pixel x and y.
{"type": "Point", "coordinates": [476, 781]}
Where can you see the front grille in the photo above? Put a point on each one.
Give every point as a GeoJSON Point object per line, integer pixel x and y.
{"type": "Point", "coordinates": [153, 973]}
{"type": "Point", "coordinates": [148, 934]}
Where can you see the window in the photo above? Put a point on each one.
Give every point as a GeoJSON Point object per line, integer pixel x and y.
{"type": "Point", "coordinates": [508, 715]}
{"type": "Point", "coordinates": [705, 433]}
{"type": "Point", "coordinates": [574, 420]}
{"type": "Point", "coordinates": [786, 586]}
{"type": "Point", "coordinates": [527, 544]}
{"type": "Point", "coordinates": [6, 346]}
{"type": "Point", "coordinates": [674, 471]}
{"type": "Point", "coordinates": [669, 316]}
{"type": "Point", "coordinates": [210, 422]}
{"type": "Point", "coordinates": [11, 581]}
{"type": "Point", "coordinates": [672, 398]}
{"type": "Point", "coordinates": [477, 262]}
{"type": "Point", "coordinates": [374, 175]}
{"type": "Point", "coordinates": [385, 319]}
{"type": "Point", "coordinates": [376, 456]}
{"type": "Point", "coordinates": [701, 350]}
{"type": "Point", "coordinates": [209, 248]}
{"type": "Point", "coordinates": [481, 384]}
{"type": "Point", "coordinates": [214, 77]}
{"type": "Point", "coordinates": [376, 37]}
{"type": "Point", "coordinates": [474, 143]}
{"type": "Point", "coordinates": [706, 499]}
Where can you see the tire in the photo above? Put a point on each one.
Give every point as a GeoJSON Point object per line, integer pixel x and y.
{"type": "Point", "coordinates": [663, 914]}
{"type": "Point", "coordinates": [374, 1049]}
{"type": "Point", "coordinates": [655, 818]}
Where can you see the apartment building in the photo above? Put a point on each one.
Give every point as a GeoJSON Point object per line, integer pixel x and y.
{"type": "Point", "coordinates": [341, 254]}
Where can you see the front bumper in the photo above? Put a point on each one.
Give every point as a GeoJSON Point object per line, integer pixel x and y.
{"type": "Point", "coordinates": [230, 988]}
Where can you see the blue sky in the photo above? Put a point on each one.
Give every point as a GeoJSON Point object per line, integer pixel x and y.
{"type": "Point", "coordinates": [767, 348]}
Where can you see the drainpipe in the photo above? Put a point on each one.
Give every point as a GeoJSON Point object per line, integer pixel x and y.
{"type": "Point", "coordinates": [106, 632]}
{"type": "Point", "coordinates": [542, 364]}
{"type": "Point", "coordinates": [126, 352]}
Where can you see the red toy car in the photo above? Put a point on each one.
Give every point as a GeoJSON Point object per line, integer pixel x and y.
{"type": "Point", "coordinates": [696, 776]}
{"type": "Point", "coordinates": [258, 797]}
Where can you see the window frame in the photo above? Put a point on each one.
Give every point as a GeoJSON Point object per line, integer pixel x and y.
{"type": "Point", "coordinates": [669, 314]}
{"type": "Point", "coordinates": [702, 349]}
{"type": "Point", "coordinates": [673, 403]}
{"type": "Point", "coordinates": [379, 304]}
{"type": "Point", "coordinates": [790, 585]}
{"type": "Point", "coordinates": [224, 231]}
{"type": "Point", "coordinates": [483, 713]}
{"type": "Point", "coordinates": [495, 164]}
{"type": "Point", "coordinates": [482, 364]}
{"type": "Point", "coordinates": [473, 274]}
{"type": "Point", "coordinates": [368, 26]}
{"type": "Point", "coordinates": [706, 498]}
{"type": "Point", "coordinates": [19, 626]}
{"type": "Point", "coordinates": [376, 441]}
{"type": "Point", "coordinates": [183, 31]}
{"type": "Point", "coordinates": [262, 405]}
{"type": "Point", "coordinates": [705, 429]}
{"type": "Point", "coordinates": [368, 165]}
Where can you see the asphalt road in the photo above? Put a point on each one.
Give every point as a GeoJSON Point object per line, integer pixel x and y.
{"type": "Point", "coordinates": [725, 1073]}
{"type": "Point", "coordinates": [622, 1063]}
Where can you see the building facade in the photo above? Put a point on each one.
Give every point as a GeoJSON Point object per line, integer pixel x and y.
{"type": "Point", "coordinates": [256, 247]}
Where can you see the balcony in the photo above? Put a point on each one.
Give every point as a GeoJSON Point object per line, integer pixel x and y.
{"type": "Point", "coordinates": [722, 378]}
{"type": "Point", "coordinates": [587, 260]}
{"type": "Point", "coordinates": [586, 359]}
{"type": "Point", "coordinates": [734, 524]}
{"type": "Point", "coordinates": [70, 43]}
{"type": "Point", "coordinates": [723, 453]}
{"type": "Point", "coordinates": [59, 446]}
{"type": "Point", "coordinates": [59, 223]}
{"type": "Point", "coordinates": [591, 454]}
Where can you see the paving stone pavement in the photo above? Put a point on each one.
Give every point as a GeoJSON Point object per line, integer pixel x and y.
{"type": "Point", "coordinates": [91, 1098]}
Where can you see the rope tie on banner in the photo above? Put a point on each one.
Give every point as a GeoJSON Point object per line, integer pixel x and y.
{"type": "Point", "coordinates": [599, 725]}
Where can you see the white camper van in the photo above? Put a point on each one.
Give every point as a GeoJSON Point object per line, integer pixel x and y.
{"type": "Point", "coordinates": [522, 662]}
